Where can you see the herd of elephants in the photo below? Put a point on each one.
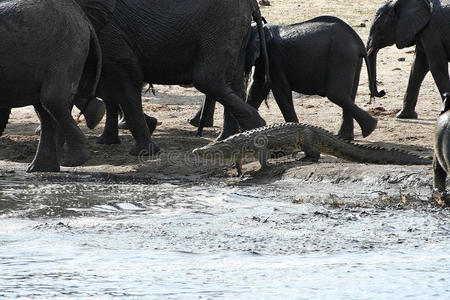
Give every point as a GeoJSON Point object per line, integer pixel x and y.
{"type": "Point", "coordinates": [59, 53]}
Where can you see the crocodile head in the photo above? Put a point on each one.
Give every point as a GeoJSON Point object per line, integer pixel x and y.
{"type": "Point", "coordinates": [220, 151]}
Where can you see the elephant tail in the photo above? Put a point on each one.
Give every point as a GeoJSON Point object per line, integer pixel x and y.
{"type": "Point", "coordinates": [92, 68]}
{"type": "Point", "coordinates": [372, 81]}
{"type": "Point", "coordinates": [259, 23]}
{"type": "Point", "coordinates": [4, 117]}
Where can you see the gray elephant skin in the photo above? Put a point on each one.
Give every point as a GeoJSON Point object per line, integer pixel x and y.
{"type": "Point", "coordinates": [322, 56]}
{"type": "Point", "coordinates": [441, 159]}
{"type": "Point", "coordinates": [199, 42]}
{"type": "Point", "coordinates": [423, 23]}
{"type": "Point", "coordinates": [49, 53]}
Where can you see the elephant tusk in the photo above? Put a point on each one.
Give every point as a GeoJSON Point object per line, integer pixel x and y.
{"type": "Point", "coordinates": [370, 51]}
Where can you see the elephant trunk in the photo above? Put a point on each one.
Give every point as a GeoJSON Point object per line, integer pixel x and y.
{"type": "Point", "coordinates": [371, 63]}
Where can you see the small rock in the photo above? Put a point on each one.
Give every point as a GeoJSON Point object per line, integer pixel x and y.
{"type": "Point", "coordinates": [298, 200]}
{"type": "Point", "coordinates": [401, 59]}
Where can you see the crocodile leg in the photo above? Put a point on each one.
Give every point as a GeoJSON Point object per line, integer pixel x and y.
{"type": "Point", "coordinates": [263, 156]}
{"type": "Point", "coordinates": [238, 165]}
{"type": "Point", "coordinates": [311, 151]}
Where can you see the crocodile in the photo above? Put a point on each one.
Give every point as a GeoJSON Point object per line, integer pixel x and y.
{"type": "Point", "coordinates": [290, 138]}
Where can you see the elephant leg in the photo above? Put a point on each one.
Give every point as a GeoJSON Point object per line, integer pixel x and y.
{"type": "Point", "coordinates": [123, 83]}
{"type": "Point", "coordinates": [134, 115]}
{"type": "Point", "coordinates": [110, 133]}
{"type": "Point", "coordinates": [347, 127]}
{"type": "Point", "coordinates": [45, 159]}
{"type": "Point", "coordinates": [213, 82]}
{"type": "Point", "coordinates": [439, 177]}
{"type": "Point", "coordinates": [341, 90]}
{"type": "Point", "coordinates": [151, 122]}
{"type": "Point", "coordinates": [55, 97]}
{"type": "Point", "coordinates": [207, 114]}
{"type": "Point", "coordinates": [234, 120]}
{"type": "Point", "coordinates": [419, 69]}
{"type": "Point", "coordinates": [283, 95]}
{"type": "Point", "coordinates": [364, 119]}
{"type": "Point", "coordinates": [237, 113]}
{"type": "Point", "coordinates": [4, 117]}
{"type": "Point", "coordinates": [257, 93]}
{"type": "Point", "coordinates": [439, 70]}
{"type": "Point", "coordinates": [209, 118]}
{"type": "Point", "coordinates": [230, 123]}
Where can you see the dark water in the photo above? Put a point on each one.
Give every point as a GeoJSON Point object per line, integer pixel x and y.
{"type": "Point", "coordinates": [104, 237]}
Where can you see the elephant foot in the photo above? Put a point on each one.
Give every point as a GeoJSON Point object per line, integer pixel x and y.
{"type": "Point", "coordinates": [108, 140]}
{"type": "Point", "coordinates": [144, 149]}
{"type": "Point", "coordinates": [369, 127]}
{"type": "Point", "coordinates": [43, 166]}
{"type": "Point", "coordinates": [405, 114]}
{"type": "Point", "coordinates": [195, 121]}
{"type": "Point", "coordinates": [441, 197]}
{"type": "Point", "coordinates": [76, 158]}
{"type": "Point", "coordinates": [94, 112]}
{"type": "Point", "coordinates": [151, 123]}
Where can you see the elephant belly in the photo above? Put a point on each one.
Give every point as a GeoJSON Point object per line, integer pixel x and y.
{"type": "Point", "coordinates": [308, 83]}
{"type": "Point", "coordinates": [18, 85]}
{"type": "Point", "coordinates": [168, 59]}
{"type": "Point", "coordinates": [16, 95]}
{"type": "Point", "coordinates": [307, 73]}
{"type": "Point", "coordinates": [169, 69]}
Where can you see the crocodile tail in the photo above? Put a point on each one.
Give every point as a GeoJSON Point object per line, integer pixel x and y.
{"type": "Point", "coordinates": [336, 146]}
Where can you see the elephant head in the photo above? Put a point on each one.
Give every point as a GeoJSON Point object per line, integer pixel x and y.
{"type": "Point", "coordinates": [397, 22]}
{"type": "Point", "coordinates": [99, 12]}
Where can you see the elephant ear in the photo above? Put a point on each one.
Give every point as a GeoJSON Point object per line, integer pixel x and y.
{"type": "Point", "coordinates": [253, 51]}
{"type": "Point", "coordinates": [413, 15]}
{"type": "Point", "coordinates": [99, 12]}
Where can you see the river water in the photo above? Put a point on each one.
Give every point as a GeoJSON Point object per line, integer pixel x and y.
{"type": "Point", "coordinates": [96, 236]}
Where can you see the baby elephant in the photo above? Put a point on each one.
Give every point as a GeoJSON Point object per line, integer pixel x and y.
{"type": "Point", "coordinates": [322, 56]}
{"type": "Point", "coordinates": [441, 160]}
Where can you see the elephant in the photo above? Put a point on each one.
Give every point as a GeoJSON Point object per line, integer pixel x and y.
{"type": "Point", "coordinates": [199, 42]}
{"type": "Point", "coordinates": [322, 56]}
{"type": "Point", "coordinates": [441, 159]}
{"type": "Point", "coordinates": [423, 23]}
{"type": "Point", "coordinates": [49, 53]}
